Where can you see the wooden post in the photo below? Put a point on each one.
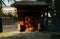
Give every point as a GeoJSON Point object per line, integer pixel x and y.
{"type": "Point", "coordinates": [1, 25]}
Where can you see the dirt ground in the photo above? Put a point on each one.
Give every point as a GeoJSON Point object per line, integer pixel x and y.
{"type": "Point", "coordinates": [25, 35]}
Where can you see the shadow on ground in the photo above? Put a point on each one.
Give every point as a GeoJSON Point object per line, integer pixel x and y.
{"type": "Point", "coordinates": [33, 35]}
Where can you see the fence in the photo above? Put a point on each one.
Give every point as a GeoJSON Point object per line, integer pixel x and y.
{"type": "Point", "coordinates": [9, 24]}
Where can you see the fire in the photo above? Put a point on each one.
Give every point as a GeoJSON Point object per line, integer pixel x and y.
{"type": "Point", "coordinates": [19, 24]}
{"type": "Point", "coordinates": [27, 23]}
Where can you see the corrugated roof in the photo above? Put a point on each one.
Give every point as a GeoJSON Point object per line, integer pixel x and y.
{"type": "Point", "coordinates": [29, 3]}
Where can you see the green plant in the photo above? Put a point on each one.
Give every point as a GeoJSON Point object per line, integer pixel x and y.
{"type": "Point", "coordinates": [1, 2]}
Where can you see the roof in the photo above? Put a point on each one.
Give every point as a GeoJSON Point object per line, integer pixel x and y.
{"type": "Point", "coordinates": [29, 3]}
{"type": "Point", "coordinates": [8, 8]}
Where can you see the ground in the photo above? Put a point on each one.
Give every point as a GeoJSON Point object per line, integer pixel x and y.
{"type": "Point", "coordinates": [26, 35]}
{"type": "Point", "coordinates": [10, 32]}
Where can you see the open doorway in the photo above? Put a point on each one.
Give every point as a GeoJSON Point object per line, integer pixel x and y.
{"type": "Point", "coordinates": [29, 20]}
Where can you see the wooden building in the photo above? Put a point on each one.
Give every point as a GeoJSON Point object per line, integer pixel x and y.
{"type": "Point", "coordinates": [31, 15]}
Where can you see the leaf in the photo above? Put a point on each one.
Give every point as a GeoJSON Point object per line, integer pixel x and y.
{"type": "Point", "coordinates": [3, 3]}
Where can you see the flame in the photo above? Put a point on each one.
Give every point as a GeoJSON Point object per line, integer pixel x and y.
{"type": "Point", "coordinates": [27, 23]}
